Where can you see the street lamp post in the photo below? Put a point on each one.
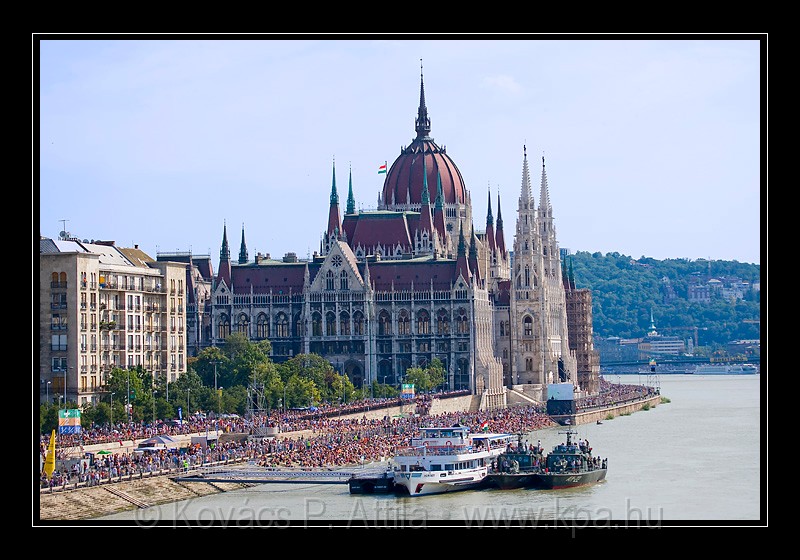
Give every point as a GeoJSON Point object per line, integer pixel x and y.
{"type": "Point", "coordinates": [47, 389]}
{"type": "Point", "coordinates": [284, 399]}
{"type": "Point", "coordinates": [112, 410]}
{"type": "Point", "coordinates": [219, 401]}
{"type": "Point", "coordinates": [154, 406]}
{"type": "Point", "coordinates": [215, 362]}
{"type": "Point", "coordinates": [187, 401]}
{"type": "Point", "coordinates": [128, 397]}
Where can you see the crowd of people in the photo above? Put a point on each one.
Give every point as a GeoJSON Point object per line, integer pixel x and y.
{"type": "Point", "coordinates": [307, 438]}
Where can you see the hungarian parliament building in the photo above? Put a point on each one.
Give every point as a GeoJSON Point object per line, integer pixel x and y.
{"type": "Point", "coordinates": [409, 282]}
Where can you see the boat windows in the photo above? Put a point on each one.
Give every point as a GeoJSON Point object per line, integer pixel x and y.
{"type": "Point", "coordinates": [436, 467]}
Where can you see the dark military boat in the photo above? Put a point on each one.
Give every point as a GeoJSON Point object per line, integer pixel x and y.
{"type": "Point", "coordinates": [571, 464]}
{"type": "Point", "coordinates": [517, 467]}
{"type": "Point", "coordinates": [568, 464]}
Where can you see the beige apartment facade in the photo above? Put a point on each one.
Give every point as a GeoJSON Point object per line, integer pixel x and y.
{"type": "Point", "coordinates": [102, 307]}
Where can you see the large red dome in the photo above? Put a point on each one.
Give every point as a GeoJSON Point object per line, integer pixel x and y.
{"type": "Point", "coordinates": [404, 181]}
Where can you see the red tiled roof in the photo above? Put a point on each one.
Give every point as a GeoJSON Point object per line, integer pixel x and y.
{"type": "Point", "coordinates": [387, 229]}
{"type": "Point", "coordinates": [271, 275]}
{"type": "Point", "coordinates": [420, 272]}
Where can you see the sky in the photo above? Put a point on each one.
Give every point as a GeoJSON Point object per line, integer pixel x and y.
{"type": "Point", "coordinates": [652, 143]}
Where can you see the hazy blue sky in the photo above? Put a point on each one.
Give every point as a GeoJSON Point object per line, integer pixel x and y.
{"type": "Point", "coordinates": [652, 144]}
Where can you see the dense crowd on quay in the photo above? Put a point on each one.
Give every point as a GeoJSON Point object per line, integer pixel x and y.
{"type": "Point", "coordinates": [326, 437]}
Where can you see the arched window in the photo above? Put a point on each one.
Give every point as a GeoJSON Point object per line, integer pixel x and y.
{"type": "Point", "coordinates": [54, 278]}
{"type": "Point", "coordinates": [262, 326]}
{"type": "Point", "coordinates": [527, 276]}
{"type": "Point", "coordinates": [502, 328]}
{"type": "Point", "coordinates": [528, 364]}
{"type": "Point", "coordinates": [241, 323]}
{"type": "Point", "coordinates": [330, 323]}
{"type": "Point", "coordinates": [403, 323]}
{"type": "Point", "coordinates": [462, 324]}
{"type": "Point", "coordinates": [384, 324]}
{"type": "Point", "coordinates": [527, 326]}
{"type": "Point", "coordinates": [223, 327]}
{"type": "Point", "coordinates": [298, 326]}
{"type": "Point", "coordinates": [358, 323]}
{"type": "Point", "coordinates": [423, 322]}
{"type": "Point", "coordinates": [343, 280]}
{"type": "Point", "coordinates": [442, 322]}
{"type": "Point", "coordinates": [316, 324]}
{"type": "Point", "coordinates": [329, 281]}
{"type": "Point", "coordinates": [344, 322]}
{"type": "Point", "coordinates": [281, 325]}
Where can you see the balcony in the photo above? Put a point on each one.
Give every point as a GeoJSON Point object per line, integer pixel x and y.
{"type": "Point", "coordinates": [58, 285]}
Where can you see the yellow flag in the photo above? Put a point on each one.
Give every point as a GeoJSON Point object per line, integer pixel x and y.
{"type": "Point", "coordinates": [50, 458]}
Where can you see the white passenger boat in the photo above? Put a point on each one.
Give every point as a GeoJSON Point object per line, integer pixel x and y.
{"type": "Point", "coordinates": [726, 369]}
{"type": "Point", "coordinates": [446, 459]}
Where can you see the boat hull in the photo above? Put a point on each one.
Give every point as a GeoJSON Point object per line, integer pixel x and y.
{"type": "Point", "coordinates": [551, 481]}
{"type": "Point", "coordinates": [432, 482]}
{"type": "Point", "coordinates": [512, 481]}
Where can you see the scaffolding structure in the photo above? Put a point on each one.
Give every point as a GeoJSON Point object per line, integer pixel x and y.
{"type": "Point", "coordinates": [579, 327]}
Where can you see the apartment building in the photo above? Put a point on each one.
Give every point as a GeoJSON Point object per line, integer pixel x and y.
{"type": "Point", "coordinates": [101, 307]}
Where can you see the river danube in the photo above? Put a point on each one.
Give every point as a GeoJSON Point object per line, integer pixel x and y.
{"type": "Point", "coordinates": [696, 458]}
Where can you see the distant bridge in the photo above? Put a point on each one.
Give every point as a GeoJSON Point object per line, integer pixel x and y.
{"type": "Point", "coordinates": [661, 360]}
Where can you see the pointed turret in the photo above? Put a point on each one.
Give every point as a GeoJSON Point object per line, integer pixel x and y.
{"type": "Point", "coordinates": [462, 265]}
{"type": "Point", "coordinates": [225, 258]}
{"type": "Point", "coordinates": [306, 277]}
{"type": "Point", "coordinates": [473, 255]}
{"type": "Point", "coordinates": [367, 280]}
{"type": "Point", "coordinates": [351, 200]}
{"type": "Point", "coordinates": [334, 219]}
{"type": "Point", "coordinates": [438, 212]}
{"type": "Point", "coordinates": [544, 196]}
{"type": "Point", "coordinates": [422, 122]}
{"type": "Point", "coordinates": [243, 257]}
{"type": "Point", "coordinates": [499, 238]}
{"type": "Point", "coordinates": [525, 196]}
{"type": "Point", "coordinates": [425, 219]}
{"type": "Point", "coordinates": [490, 242]}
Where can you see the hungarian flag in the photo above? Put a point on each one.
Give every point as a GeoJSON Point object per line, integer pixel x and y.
{"type": "Point", "coordinates": [485, 425]}
{"type": "Point", "coordinates": [382, 168]}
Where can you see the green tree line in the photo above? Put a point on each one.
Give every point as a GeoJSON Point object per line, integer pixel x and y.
{"type": "Point", "coordinates": [625, 290]}
{"type": "Point", "coordinates": [233, 378]}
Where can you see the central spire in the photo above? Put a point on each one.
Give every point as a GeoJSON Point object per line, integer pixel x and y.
{"type": "Point", "coordinates": [423, 123]}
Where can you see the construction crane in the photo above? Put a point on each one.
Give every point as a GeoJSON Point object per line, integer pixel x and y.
{"type": "Point", "coordinates": [695, 329]}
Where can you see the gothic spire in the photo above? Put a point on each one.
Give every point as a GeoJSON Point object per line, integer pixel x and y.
{"type": "Point", "coordinates": [462, 264]}
{"type": "Point", "coordinates": [438, 212]}
{"type": "Point", "coordinates": [473, 245]}
{"type": "Point", "coordinates": [334, 194]}
{"type": "Point", "coordinates": [462, 246]}
{"type": "Point", "coordinates": [351, 200]}
{"type": "Point", "coordinates": [425, 219]}
{"type": "Point", "coordinates": [334, 219]}
{"type": "Point", "coordinates": [224, 273]}
{"type": "Point", "coordinates": [473, 256]}
{"type": "Point", "coordinates": [544, 195]}
{"type": "Point", "coordinates": [225, 252]}
{"type": "Point", "coordinates": [423, 123]}
{"type": "Point", "coordinates": [499, 238]}
{"type": "Point", "coordinates": [525, 197]}
{"type": "Point", "coordinates": [243, 250]}
{"type": "Point", "coordinates": [490, 242]}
